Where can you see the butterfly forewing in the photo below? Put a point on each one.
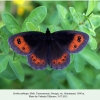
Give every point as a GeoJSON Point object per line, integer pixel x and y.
{"type": "Point", "coordinates": [72, 41]}
{"type": "Point", "coordinates": [31, 44]}
{"type": "Point", "coordinates": [26, 42]}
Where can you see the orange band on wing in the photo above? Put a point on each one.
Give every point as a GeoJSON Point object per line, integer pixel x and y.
{"type": "Point", "coordinates": [60, 60]}
{"type": "Point", "coordinates": [21, 44]}
{"type": "Point", "coordinates": [76, 42]}
{"type": "Point", "coordinates": [37, 60]}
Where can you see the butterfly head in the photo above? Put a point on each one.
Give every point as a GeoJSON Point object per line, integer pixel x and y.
{"type": "Point", "coordinates": [48, 31]}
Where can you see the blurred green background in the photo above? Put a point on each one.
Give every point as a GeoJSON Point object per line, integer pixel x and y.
{"type": "Point", "coordinates": [83, 72]}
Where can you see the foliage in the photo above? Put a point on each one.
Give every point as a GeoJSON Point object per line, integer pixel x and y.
{"type": "Point", "coordinates": [84, 67]}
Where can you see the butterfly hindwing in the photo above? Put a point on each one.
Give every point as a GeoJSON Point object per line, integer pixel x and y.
{"type": "Point", "coordinates": [72, 41]}
{"type": "Point", "coordinates": [26, 42]}
{"type": "Point", "coordinates": [38, 59]}
{"type": "Point", "coordinates": [59, 58]}
{"type": "Point", "coordinates": [61, 62]}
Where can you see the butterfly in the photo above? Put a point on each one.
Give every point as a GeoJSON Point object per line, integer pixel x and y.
{"type": "Point", "coordinates": [48, 49]}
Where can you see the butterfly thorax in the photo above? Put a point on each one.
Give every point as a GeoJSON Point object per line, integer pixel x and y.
{"type": "Point", "coordinates": [47, 32]}
{"type": "Point", "coordinates": [48, 36]}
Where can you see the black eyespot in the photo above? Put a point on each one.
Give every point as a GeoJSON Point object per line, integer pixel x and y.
{"type": "Point", "coordinates": [58, 62]}
{"type": "Point", "coordinates": [75, 46]}
{"type": "Point", "coordinates": [32, 56]}
{"type": "Point", "coordinates": [18, 41]}
{"type": "Point", "coordinates": [63, 59]}
{"type": "Point", "coordinates": [23, 48]}
{"type": "Point", "coordinates": [43, 62]}
{"type": "Point", "coordinates": [79, 39]}
{"type": "Point", "coordinates": [34, 60]}
{"type": "Point", "coordinates": [53, 62]}
{"type": "Point", "coordinates": [38, 62]}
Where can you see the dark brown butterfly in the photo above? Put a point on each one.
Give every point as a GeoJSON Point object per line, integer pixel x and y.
{"type": "Point", "coordinates": [48, 49]}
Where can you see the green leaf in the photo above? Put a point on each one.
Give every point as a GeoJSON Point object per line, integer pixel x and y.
{"type": "Point", "coordinates": [91, 5]}
{"type": "Point", "coordinates": [48, 67]}
{"type": "Point", "coordinates": [5, 31]}
{"type": "Point", "coordinates": [95, 20]}
{"type": "Point", "coordinates": [3, 62]}
{"type": "Point", "coordinates": [98, 77]}
{"type": "Point", "coordinates": [4, 46]}
{"type": "Point", "coordinates": [35, 17]}
{"type": "Point", "coordinates": [15, 31]}
{"type": "Point", "coordinates": [72, 11]}
{"type": "Point", "coordinates": [92, 32]}
{"type": "Point", "coordinates": [58, 75]}
{"type": "Point", "coordinates": [24, 60]}
{"type": "Point", "coordinates": [54, 28]}
{"type": "Point", "coordinates": [80, 18]}
{"type": "Point", "coordinates": [64, 16]}
{"type": "Point", "coordinates": [8, 73]}
{"type": "Point", "coordinates": [1, 24]}
{"type": "Point", "coordinates": [87, 75]}
{"type": "Point", "coordinates": [38, 28]}
{"type": "Point", "coordinates": [71, 58]}
{"type": "Point", "coordinates": [92, 43]}
{"type": "Point", "coordinates": [77, 17]}
{"type": "Point", "coordinates": [16, 57]}
{"type": "Point", "coordinates": [30, 26]}
{"type": "Point", "coordinates": [17, 68]}
{"type": "Point", "coordinates": [78, 63]}
{"type": "Point", "coordinates": [74, 82]}
{"type": "Point", "coordinates": [87, 30]}
{"type": "Point", "coordinates": [61, 12]}
{"type": "Point", "coordinates": [10, 22]}
{"type": "Point", "coordinates": [4, 42]}
{"type": "Point", "coordinates": [91, 57]}
{"type": "Point", "coordinates": [74, 14]}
